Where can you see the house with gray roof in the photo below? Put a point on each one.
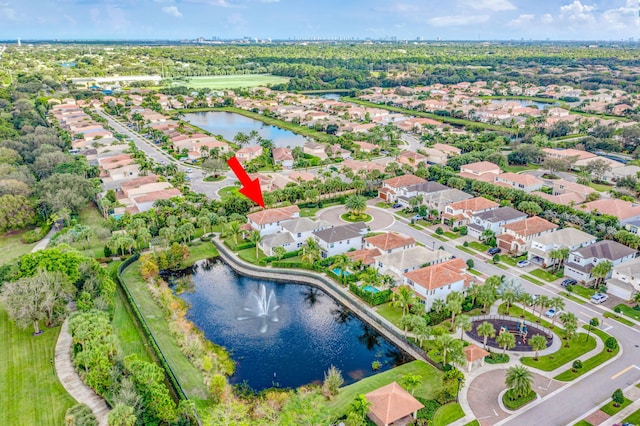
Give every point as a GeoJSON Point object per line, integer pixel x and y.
{"type": "Point", "coordinates": [340, 239]}
{"type": "Point", "coordinates": [302, 228]}
{"type": "Point", "coordinates": [425, 188]}
{"type": "Point", "coordinates": [494, 220]}
{"type": "Point", "coordinates": [582, 261]}
{"type": "Point", "coordinates": [441, 199]}
{"type": "Point", "coordinates": [279, 239]}
{"type": "Point", "coordinates": [625, 279]}
{"type": "Point", "coordinates": [543, 245]}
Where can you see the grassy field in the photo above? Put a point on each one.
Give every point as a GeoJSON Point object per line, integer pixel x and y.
{"type": "Point", "coordinates": [517, 168]}
{"type": "Point", "coordinates": [228, 191]}
{"type": "Point", "coordinates": [478, 246]}
{"type": "Point", "coordinates": [431, 384]}
{"type": "Point", "coordinates": [578, 346]}
{"type": "Point", "coordinates": [447, 414]}
{"type": "Point", "coordinates": [189, 376]}
{"type": "Point", "coordinates": [91, 217]}
{"type": "Point", "coordinates": [31, 392]}
{"type": "Point", "coordinates": [232, 81]}
{"type": "Point", "coordinates": [130, 338]}
{"type": "Point", "coordinates": [391, 313]}
{"type": "Point", "coordinates": [629, 311]}
{"type": "Point", "coordinates": [11, 247]}
{"type": "Point", "coordinates": [200, 251]}
{"type": "Point", "coordinates": [600, 187]}
{"type": "Point", "coordinates": [583, 291]}
{"type": "Point", "coordinates": [590, 363]}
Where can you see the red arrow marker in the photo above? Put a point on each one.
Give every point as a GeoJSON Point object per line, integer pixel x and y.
{"type": "Point", "coordinates": [250, 188]}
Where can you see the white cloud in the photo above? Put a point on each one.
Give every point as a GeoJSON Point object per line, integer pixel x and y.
{"type": "Point", "coordinates": [547, 18]}
{"type": "Point", "coordinates": [218, 3]}
{"type": "Point", "coordinates": [493, 5]}
{"type": "Point", "coordinates": [458, 20]}
{"type": "Point", "coordinates": [7, 12]}
{"type": "Point", "coordinates": [622, 18]}
{"type": "Point", "coordinates": [172, 10]}
{"type": "Point", "coordinates": [521, 20]}
{"type": "Point", "coordinates": [578, 12]}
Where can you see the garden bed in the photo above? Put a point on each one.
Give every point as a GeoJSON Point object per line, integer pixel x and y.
{"type": "Point", "coordinates": [516, 403]}
{"type": "Point", "coordinates": [350, 217]}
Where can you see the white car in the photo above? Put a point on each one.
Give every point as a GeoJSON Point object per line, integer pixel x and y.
{"type": "Point", "coordinates": [189, 170]}
{"type": "Point", "coordinates": [523, 263]}
{"type": "Point", "coordinates": [599, 298]}
{"type": "Point", "coordinates": [552, 313]}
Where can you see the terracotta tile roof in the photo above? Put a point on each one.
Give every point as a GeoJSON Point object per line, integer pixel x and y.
{"type": "Point", "coordinates": [481, 167]}
{"type": "Point", "coordinates": [402, 181]}
{"type": "Point", "coordinates": [614, 207]}
{"type": "Point", "coordinates": [530, 226]}
{"type": "Point", "coordinates": [137, 182]}
{"type": "Point", "coordinates": [486, 177]}
{"type": "Point", "coordinates": [366, 255]}
{"type": "Point", "coordinates": [567, 198]}
{"type": "Point", "coordinates": [282, 154]}
{"type": "Point", "coordinates": [390, 241]}
{"type": "Point", "coordinates": [522, 179]}
{"type": "Point", "coordinates": [391, 403]}
{"type": "Point", "coordinates": [273, 215]}
{"type": "Point", "coordinates": [474, 204]}
{"type": "Point", "coordinates": [439, 275]}
{"type": "Point", "coordinates": [474, 353]}
{"type": "Point", "coordinates": [164, 194]}
{"type": "Point", "coordinates": [410, 155]}
{"type": "Point", "coordinates": [569, 152]}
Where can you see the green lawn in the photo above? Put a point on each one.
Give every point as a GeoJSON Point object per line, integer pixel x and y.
{"type": "Point", "coordinates": [516, 169]}
{"type": "Point", "coordinates": [451, 235]}
{"type": "Point", "coordinates": [466, 250]}
{"type": "Point", "coordinates": [228, 191]}
{"type": "Point", "coordinates": [474, 272]}
{"type": "Point", "coordinates": [249, 255]}
{"type": "Point", "coordinates": [473, 423]}
{"type": "Point", "coordinates": [189, 376]}
{"type": "Point", "coordinates": [611, 410]}
{"type": "Point", "coordinates": [618, 318]}
{"type": "Point", "coordinates": [590, 363]}
{"type": "Point", "coordinates": [11, 247]}
{"type": "Point", "coordinates": [308, 212]}
{"type": "Point", "coordinates": [583, 291]}
{"type": "Point", "coordinates": [511, 261]}
{"type": "Point", "coordinates": [541, 273]}
{"type": "Point", "coordinates": [431, 384]}
{"type": "Point", "coordinates": [130, 338]}
{"type": "Point", "coordinates": [578, 346]}
{"type": "Point", "coordinates": [582, 423]}
{"type": "Point", "coordinates": [383, 205]}
{"type": "Point", "coordinates": [600, 187]}
{"type": "Point", "coordinates": [200, 251]}
{"type": "Point", "coordinates": [231, 81]}
{"type": "Point", "coordinates": [572, 297]}
{"type": "Point", "coordinates": [634, 418]}
{"type": "Point", "coordinates": [629, 311]}
{"type": "Point", "coordinates": [447, 414]}
{"type": "Point", "coordinates": [92, 218]}
{"type": "Point", "coordinates": [391, 313]}
{"type": "Point", "coordinates": [476, 245]}
{"type": "Point", "coordinates": [31, 392]}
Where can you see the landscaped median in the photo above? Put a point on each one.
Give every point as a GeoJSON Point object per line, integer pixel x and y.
{"type": "Point", "coordinates": [591, 363]}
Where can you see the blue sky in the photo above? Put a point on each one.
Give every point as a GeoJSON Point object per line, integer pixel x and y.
{"type": "Point", "coordinates": [281, 19]}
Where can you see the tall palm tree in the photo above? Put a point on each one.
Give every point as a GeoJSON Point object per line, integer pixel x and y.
{"type": "Point", "coordinates": [463, 322]}
{"type": "Point", "coordinates": [255, 237]}
{"type": "Point", "coordinates": [310, 251]}
{"type": "Point", "coordinates": [519, 380]}
{"type": "Point", "coordinates": [509, 297]}
{"type": "Point", "coordinates": [360, 405]}
{"type": "Point", "coordinates": [557, 303]}
{"type": "Point", "coordinates": [356, 204]}
{"type": "Point", "coordinates": [232, 229]}
{"type": "Point", "coordinates": [403, 297]}
{"type": "Point", "coordinates": [538, 342]}
{"type": "Point", "coordinates": [443, 343]}
{"type": "Point", "coordinates": [454, 304]}
{"type": "Point", "coordinates": [544, 302]}
{"type": "Point", "coordinates": [600, 271]}
{"type": "Point", "coordinates": [411, 381]}
{"type": "Point", "coordinates": [486, 330]}
{"type": "Point", "coordinates": [342, 262]}
{"type": "Point", "coordinates": [372, 277]}
{"type": "Point", "coordinates": [506, 340]}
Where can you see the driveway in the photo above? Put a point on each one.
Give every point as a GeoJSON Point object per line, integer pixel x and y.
{"type": "Point", "coordinates": [381, 218]}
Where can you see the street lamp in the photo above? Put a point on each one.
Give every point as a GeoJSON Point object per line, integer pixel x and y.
{"type": "Point", "coordinates": [458, 391]}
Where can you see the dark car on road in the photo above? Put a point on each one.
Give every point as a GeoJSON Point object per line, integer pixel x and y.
{"type": "Point", "coordinates": [494, 250]}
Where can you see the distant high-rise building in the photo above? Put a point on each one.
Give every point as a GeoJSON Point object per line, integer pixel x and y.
{"type": "Point", "coordinates": [19, 42]}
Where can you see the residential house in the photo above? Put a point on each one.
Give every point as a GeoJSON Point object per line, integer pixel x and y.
{"type": "Point", "coordinates": [460, 212]}
{"type": "Point", "coordinates": [437, 281]}
{"type": "Point", "coordinates": [391, 187]}
{"type": "Point", "coordinates": [357, 165]}
{"type": "Point", "coordinates": [624, 210]}
{"type": "Point", "coordinates": [570, 198]}
{"type": "Point", "coordinates": [278, 239]}
{"type": "Point", "coordinates": [302, 228]}
{"type": "Point", "coordinates": [562, 186]}
{"type": "Point", "coordinates": [366, 256]}
{"type": "Point", "coordinates": [315, 149]}
{"type": "Point", "coordinates": [524, 182]}
{"type": "Point", "coordinates": [517, 236]}
{"type": "Point", "coordinates": [146, 201]}
{"type": "Point", "coordinates": [337, 151]}
{"type": "Point", "coordinates": [625, 279]}
{"type": "Point", "coordinates": [450, 150]}
{"type": "Point", "coordinates": [269, 221]}
{"type": "Point", "coordinates": [482, 170]}
{"type": "Point", "coordinates": [582, 261]}
{"type": "Point", "coordinates": [633, 226]}
{"type": "Point", "coordinates": [435, 156]}
{"type": "Point", "coordinates": [340, 239]}
{"type": "Point", "coordinates": [494, 220]}
{"type": "Point", "coordinates": [619, 172]}
{"type": "Point", "coordinates": [543, 245]}
{"type": "Point", "coordinates": [438, 201]}
{"type": "Point", "coordinates": [284, 157]}
{"type": "Point", "coordinates": [249, 153]}
{"type": "Point", "coordinates": [389, 242]}
{"type": "Point", "coordinates": [411, 158]}
{"type": "Point", "coordinates": [405, 194]}
{"type": "Point", "coordinates": [366, 146]}
{"type": "Point", "coordinates": [400, 262]}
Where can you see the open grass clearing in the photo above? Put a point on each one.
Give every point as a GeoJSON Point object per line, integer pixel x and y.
{"type": "Point", "coordinates": [31, 392]}
{"type": "Point", "coordinates": [629, 311]}
{"type": "Point", "coordinates": [130, 338]}
{"type": "Point", "coordinates": [390, 313]}
{"type": "Point", "coordinates": [231, 81]}
{"type": "Point", "coordinates": [428, 389]}
{"type": "Point", "coordinates": [591, 363]}
{"type": "Point", "coordinates": [544, 275]}
{"type": "Point", "coordinates": [600, 187]}
{"type": "Point", "coordinates": [11, 247]}
{"type": "Point", "coordinates": [610, 409]}
{"type": "Point", "coordinates": [228, 191]}
{"type": "Point", "coordinates": [447, 414]}
{"type": "Point", "coordinates": [618, 318]}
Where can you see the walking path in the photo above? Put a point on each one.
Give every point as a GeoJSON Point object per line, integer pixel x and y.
{"type": "Point", "coordinates": [72, 382]}
{"type": "Point", "coordinates": [43, 243]}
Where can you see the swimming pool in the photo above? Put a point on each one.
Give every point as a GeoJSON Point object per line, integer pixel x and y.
{"type": "Point", "coordinates": [370, 289]}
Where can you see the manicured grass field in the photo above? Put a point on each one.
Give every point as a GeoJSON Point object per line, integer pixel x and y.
{"type": "Point", "coordinates": [582, 423]}
{"type": "Point", "coordinates": [228, 191]}
{"type": "Point", "coordinates": [583, 291]}
{"type": "Point", "coordinates": [451, 235]}
{"type": "Point", "coordinates": [200, 251]}
{"type": "Point", "coordinates": [188, 375]}
{"type": "Point", "coordinates": [11, 247]}
{"type": "Point", "coordinates": [431, 384]}
{"type": "Point", "coordinates": [447, 414]}
{"type": "Point", "coordinates": [600, 187]}
{"type": "Point", "coordinates": [572, 297]}
{"type": "Point", "coordinates": [130, 338]}
{"type": "Point", "coordinates": [473, 423]}
{"type": "Point", "coordinates": [505, 258]}
{"type": "Point", "coordinates": [618, 318]}
{"type": "Point", "coordinates": [31, 392]}
{"type": "Point", "coordinates": [478, 246]}
{"type": "Point", "coordinates": [592, 362]}
{"type": "Point", "coordinates": [232, 81]}
{"type": "Point", "coordinates": [634, 418]}
{"type": "Point", "coordinates": [391, 313]}
{"type": "Point", "coordinates": [516, 169]}
{"type": "Point", "coordinates": [249, 255]}
{"type": "Point", "coordinates": [541, 273]}
{"type": "Point", "coordinates": [578, 346]}
{"type": "Point", "coordinates": [629, 311]}
{"type": "Point", "coordinates": [611, 410]}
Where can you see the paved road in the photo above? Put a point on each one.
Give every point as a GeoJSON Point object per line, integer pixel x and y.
{"type": "Point", "coordinates": [575, 398]}
{"type": "Point", "coordinates": [414, 143]}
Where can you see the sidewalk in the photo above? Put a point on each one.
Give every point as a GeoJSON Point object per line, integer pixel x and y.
{"type": "Point", "coordinates": [632, 394]}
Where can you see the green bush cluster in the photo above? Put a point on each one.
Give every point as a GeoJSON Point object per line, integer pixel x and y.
{"type": "Point", "coordinates": [265, 260]}
{"type": "Point", "coordinates": [429, 410]}
{"type": "Point", "coordinates": [289, 264]}
{"type": "Point", "coordinates": [35, 234]}
{"type": "Point", "coordinates": [374, 299]}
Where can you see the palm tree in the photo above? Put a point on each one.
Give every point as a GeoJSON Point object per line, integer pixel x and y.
{"type": "Point", "coordinates": [372, 277]}
{"type": "Point", "coordinates": [486, 330]}
{"type": "Point", "coordinates": [422, 331]}
{"type": "Point", "coordinates": [600, 271]}
{"type": "Point", "coordinates": [570, 324]}
{"type": "Point", "coordinates": [519, 380]}
{"type": "Point", "coordinates": [442, 344]}
{"type": "Point", "coordinates": [403, 298]}
{"type": "Point", "coordinates": [360, 405]}
{"type": "Point", "coordinates": [341, 262]}
{"type": "Point", "coordinates": [463, 322]}
{"type": "Point", "coordinates": [487, 235]}
{"type": "Point", "coordinates": [411, 381]}
{"type": "Point", "coordinates": [310, 251]}
{"type": "Point", "coordinates": [557, 303]}
{"type": "Point", "coordinates": [241, 139]}
{"type": "Point", "coordinates": [356, 204]}
{"type": "Point", "coordinates": [204, 221]}
{"type": "Point", "coordinates": [509, 297]}
{"type": "Point", "coordinates": [506, 340]}
{"type": "Point", "coordinates": [232, 229]}
{"type": "Point", "coordinates": [255, 237]}
{"type": "Point", "coordinates": [526, 299]}
{"type": "Point", "coordinates": [454, 304]}
{"type": "Point", "coordinates": [544, 302]}
{"type": "Point", "coordinates": [538, 342]}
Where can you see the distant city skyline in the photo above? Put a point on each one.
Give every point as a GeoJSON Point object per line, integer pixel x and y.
{"type": "Point", "coordinates": [328, 19]}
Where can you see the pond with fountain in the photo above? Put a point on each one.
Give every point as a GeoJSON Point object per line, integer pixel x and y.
{"type": "Point", "coordinates": [284, 335]}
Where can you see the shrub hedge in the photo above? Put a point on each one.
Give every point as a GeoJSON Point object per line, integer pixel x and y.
{"type": "Point", "coordinates": [373, 299]}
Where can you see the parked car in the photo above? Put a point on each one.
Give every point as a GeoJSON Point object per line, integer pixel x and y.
{"type": "Point", "coordinates": [397, 205]}
{"type": "Point", "coordinates": [568, 282]}
{"type": "Point", "coordinates": [533, 299]}
{"type": "Point", "coordinates": [416, 217]}
{"type": "Point", "coordinates": [599, 298]}
{"type": "Point", "coordinates": [552, 313]}
{"type": "Point", "coordinates": [189, 170]}
{"type": "Point", "coordinates": [494, 250]}
{"type": "Point", "coordinates": [523, 263]}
